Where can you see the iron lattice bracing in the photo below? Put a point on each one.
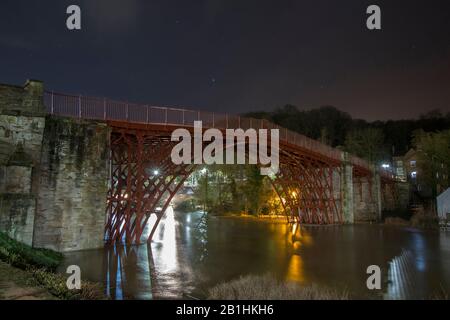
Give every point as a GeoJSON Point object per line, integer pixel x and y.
{"type": "Point", "coordinates": [144, 180]}
{"type": "Point", "coordinates": [136, 188]}
{"type": "Point", "coordinates": [307, 192]}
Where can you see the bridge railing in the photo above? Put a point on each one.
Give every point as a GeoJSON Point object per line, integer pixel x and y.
{"type": "Point", "coordinates": [84, 107]}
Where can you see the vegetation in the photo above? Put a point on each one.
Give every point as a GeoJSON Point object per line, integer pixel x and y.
{"type": "Point", "coordinates": [267, 287]}
{"type": "Point", "coordinates": [334, 127]}
{"type": "Point", "coordinates": [425, 221]}
{"type": "Point", "coordinates": [40, 265]}
{"type": "Point", "coordinates": [366, 143]}
{"type": "Point", "coordinates": [22, 256]}
{"type": "Point", "coordinates": [434, 158]}
{"type": "Point", "coordinates": [19, 284]}
{"type": "Point", "coordinates": [222, 189]}
{"type": "Point", "coordinates": [56, 284]}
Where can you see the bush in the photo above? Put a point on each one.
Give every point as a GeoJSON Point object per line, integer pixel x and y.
{"type": "Point", "coordinates": [425, 221]}
{"type": "Point", "coordinates": [56, 285]}
{"type": "Point", "coordinates": [186, 206]}
{"type": "Point", "coordinates": [42, 263]}
{"type": "Point", "coordinates": [267, 287]}
{"type": "Point", "coordinates": [23, 256]}
{"type": "Point", "coordinates": [404, 214]}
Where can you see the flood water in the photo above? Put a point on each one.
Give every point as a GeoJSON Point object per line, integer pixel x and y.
{"type": "Point", "coordinates": [191, 253]}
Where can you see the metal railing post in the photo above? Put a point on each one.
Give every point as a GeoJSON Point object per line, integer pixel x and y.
{"type": "Point", "coordinates": [79, 106]}
{"type": "Point", "coordinates": [183, 117]}
{"type": "Point", "coordinates": [165, 117]}
{"type": "Point", "coordinates": [239, 122]}
{"type": "Point", "coordinates": [104, 108]}
{"type": "Point", "coordinates": [147, 112]}
{"type": "Point", "coordinates": [126, 112]}
{"type": "Point", "coordinates": [52, 106]}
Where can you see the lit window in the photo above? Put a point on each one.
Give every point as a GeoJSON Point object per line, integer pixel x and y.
{"type": "Point", "coordinates": [414, 174]}
{"type": "Point", "coordinates": [412, 163]}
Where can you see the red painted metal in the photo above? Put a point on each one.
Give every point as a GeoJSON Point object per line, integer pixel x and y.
{"type": "Point", "coordinates": [140, 144]}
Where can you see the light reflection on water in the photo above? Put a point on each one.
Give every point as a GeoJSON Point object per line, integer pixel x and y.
{"type": "Point", "coordinates": [192, 252]}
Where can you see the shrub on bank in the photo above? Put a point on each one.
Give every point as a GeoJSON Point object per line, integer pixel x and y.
{"type": "Point", "coordinates": [42, 264]}
{"type": "Point", "coordinates": [425, 221]}
{"type": "Point", "coordinates": [267, 287]}
{"type": "Point", "coordinates": [186, 206]}
{"type": "Point", "coordinates": [56, 284]}
{"type": "Point", "coordinates": [23, 256]}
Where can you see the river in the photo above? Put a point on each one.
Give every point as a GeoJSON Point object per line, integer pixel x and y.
{"type": "Point", "coordinates": [191, 253]}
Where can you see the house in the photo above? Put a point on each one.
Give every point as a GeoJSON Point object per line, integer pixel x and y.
{"type": "Point", "coordinates": [443, 205]}
{"type": "Point", "coordinates": [407, 168]}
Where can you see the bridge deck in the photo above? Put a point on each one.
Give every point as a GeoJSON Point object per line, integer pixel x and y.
{"type": "Point", "coordinates": [129, 114]}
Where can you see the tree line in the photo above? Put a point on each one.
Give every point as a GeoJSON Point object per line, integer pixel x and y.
{"type": "Point", "coordinates": [375, 141]}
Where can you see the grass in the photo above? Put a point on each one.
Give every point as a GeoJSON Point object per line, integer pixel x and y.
{"type": "Point", "coordinates": [440, 294]}
{"type": "Point", "coordinates": [267, 287]}
{"type": "Point", "coordinates": [23, 256]}
{"type": "Point", "coordinates": [56, 284]}
{"type": "Point", "coordinates": [41, 265]}
{"type": "Point", "coordinates": [19, 284]}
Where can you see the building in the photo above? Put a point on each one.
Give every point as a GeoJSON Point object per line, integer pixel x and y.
{"type": "Point", "coordinates": [443, 205]}
{"type": "Point", "coordinates": [406, 168]}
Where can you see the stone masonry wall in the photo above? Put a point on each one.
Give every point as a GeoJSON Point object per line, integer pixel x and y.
{"type": "Point", "coordinates": [365, 200]}
{"type": "Point", "coordinates": [73, 185]}
{"type": "Point", "coordinates": [24, 100]}
{"type": "Point", "coordinates": [22, 124]}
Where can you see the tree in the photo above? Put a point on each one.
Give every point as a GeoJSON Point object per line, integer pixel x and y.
{"type": "Point", "coordinates": [366, 143]}
{"type": "Point", "coordinates": [252, 189]}
{"type": "Point", "coordinates": [433, 150]}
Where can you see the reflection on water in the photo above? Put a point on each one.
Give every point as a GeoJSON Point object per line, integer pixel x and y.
{"type": "Point", "coordinates": [165, 239]}
{"type": "Point", "coordinates": [192, 252]}
{"type": "Point", "coordinates": [401, 277]}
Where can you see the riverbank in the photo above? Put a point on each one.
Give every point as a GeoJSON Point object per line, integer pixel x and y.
{"type": "Point", "coordinates": [29, 273]}
{"type": "Point", "coordinates": [268, 287]}
{"type": "Point", "coordinates": [17, 284]}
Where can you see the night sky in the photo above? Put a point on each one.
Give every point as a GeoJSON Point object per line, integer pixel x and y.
{"type": "Point", "coordinates": [236, 56]}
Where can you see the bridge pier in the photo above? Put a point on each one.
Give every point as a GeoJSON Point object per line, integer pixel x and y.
{"type": "Point", "coordinates": [53, 173]}
{"type": "Point", "coordinates": [22, 121]}
{"type": "Point", "coordinates": [71, 201]}
{"type": "Point", "coordinates": [347, 189]}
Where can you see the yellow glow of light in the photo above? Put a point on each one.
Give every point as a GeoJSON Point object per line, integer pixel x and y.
{"type": "Point", "coordinates": [295, 270]}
